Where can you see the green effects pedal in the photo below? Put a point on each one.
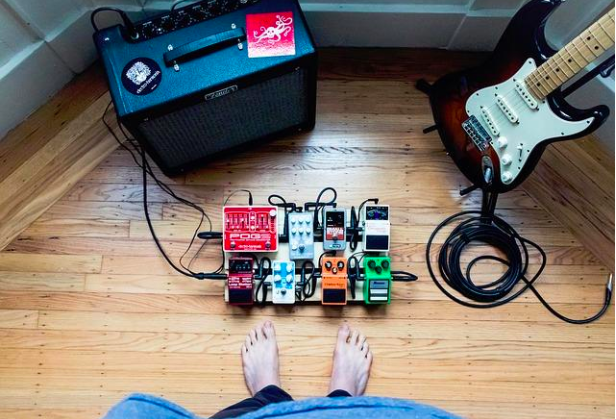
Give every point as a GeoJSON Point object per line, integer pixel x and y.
{"type": "Point", "coordinates": [377, 280]}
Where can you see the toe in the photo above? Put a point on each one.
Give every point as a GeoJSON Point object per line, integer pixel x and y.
{"type": "Point", "coordinates": [243, 349]}
{"type": "Point", "coordinates": [361, 341]}
{"type": "Point", "coordinates": [253, 336]}
{"type": "Point", "coordinates": [248, 343]}
{"type": "Point", "coordinates": [365, 348]}
{"type": "Point", "coordinates": [343, 333]}
{"type": "Point", "coordinates": [354, 337]}
{"type": "Point", "coordinates": [261, 332]}
{"type": "Point", "coordinates": [369, 357]}
{"type": "Point", "coordinates": [268, 330]}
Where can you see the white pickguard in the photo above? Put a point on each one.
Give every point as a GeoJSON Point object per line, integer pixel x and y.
{"type": "Point", "coordinates": [517, 125]}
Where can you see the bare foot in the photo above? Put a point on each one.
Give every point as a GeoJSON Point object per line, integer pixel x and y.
{"type": "Point", "coordinates": [260, 358]}
{"type": "Point", "coordinates": [352, 361]}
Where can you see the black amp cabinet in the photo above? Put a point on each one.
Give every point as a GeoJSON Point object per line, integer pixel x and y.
{"type": "Point", "coordinates": [210, 77]}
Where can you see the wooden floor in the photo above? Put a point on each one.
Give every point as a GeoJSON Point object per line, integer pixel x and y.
{"type": "Point", "coordinates": [89, 311]}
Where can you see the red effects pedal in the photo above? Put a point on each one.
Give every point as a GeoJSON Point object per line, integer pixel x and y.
{"type": "Point", "coordinates": [250, 229]}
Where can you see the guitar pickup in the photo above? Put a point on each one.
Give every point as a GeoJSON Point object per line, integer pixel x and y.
{"type": "Point", "coordinates": [507, 110]}
{"type": "Point", "coordinates": [526, 96]}
{"type": "Point", "coordinates": [487, 118]}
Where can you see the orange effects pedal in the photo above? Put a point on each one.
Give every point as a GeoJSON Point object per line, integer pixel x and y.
{"type": "Point", "coordinates": [334, 281]}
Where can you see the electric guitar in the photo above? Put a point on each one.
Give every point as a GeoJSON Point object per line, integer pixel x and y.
{"type": "Point", "coordinates": [496, 120]}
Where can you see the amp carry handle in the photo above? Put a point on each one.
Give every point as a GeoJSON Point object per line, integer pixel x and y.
{"type": "Point", "coordinates": [202, 46]}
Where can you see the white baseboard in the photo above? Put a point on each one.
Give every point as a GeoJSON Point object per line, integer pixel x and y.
{"type": "Point", "coordinates": [28, 81]}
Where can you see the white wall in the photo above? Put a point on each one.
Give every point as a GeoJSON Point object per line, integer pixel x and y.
{"type": "Point", "coordinates": [43, 43]}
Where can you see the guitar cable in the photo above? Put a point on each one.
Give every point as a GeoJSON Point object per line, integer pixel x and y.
{"type": "Point", "coordinates": [218, 274]}
{"type": "Point", "coordinates": [498, 233]}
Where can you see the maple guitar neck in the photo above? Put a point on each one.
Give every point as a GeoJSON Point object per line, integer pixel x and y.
{"type": "Point", "coordinates": [572, 58]}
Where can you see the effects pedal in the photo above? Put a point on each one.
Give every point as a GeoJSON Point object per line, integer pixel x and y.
{"type": "Point", "coordinates": [377, 280]}
{"type": "Point", "coordinates": [334, 229]}
{"type": "Point", "coordinates": [301, 237]}
{"type": "Point", "coordinates": [377, 228]}
{"type": "Point", "coordinates": [283, 284]}
{"type": "Point", "coordinates": [250, 229]}
{"type": "Point", "coordinates": [334, 281]}
{"type": "Point", "coordinates": [240, 281]}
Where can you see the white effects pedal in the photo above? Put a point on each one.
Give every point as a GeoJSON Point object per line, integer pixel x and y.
{"type": "Point", "coordinates": [377, 228]}
{"type": "Point", "coordinates": [301, 236]}
{"type": "Point", "coordinates": [283, 282]}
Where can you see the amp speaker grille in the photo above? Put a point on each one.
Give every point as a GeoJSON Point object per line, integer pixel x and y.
{"type": "Point", "coordinates": [209, 127]}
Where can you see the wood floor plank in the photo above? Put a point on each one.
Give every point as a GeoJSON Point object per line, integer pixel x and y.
{"type": "Point", "coordinates": [193, 323]}
{"type": "Point", "coordinates": [309, 366]}
{"type": "Point", "coordinates": [50, 263]}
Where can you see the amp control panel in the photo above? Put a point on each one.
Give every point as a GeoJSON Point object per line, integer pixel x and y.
{"type": "Point", "coordinates": [183, 17]}
{"type": "Point", "coordinates": [250, 229]}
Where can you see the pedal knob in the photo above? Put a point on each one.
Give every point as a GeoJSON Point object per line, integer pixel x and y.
{"type": "Point", "coordinates": [340, 265]}
{"type": "Point", "coordinates": [277, 278]}
{"type": "Point", "coordinates": [502, 142]}
{"type": "Point", "coordinates": [372, 264]}
{"type": "Point", "coordinates": [293, 231]}
{"type": "Point", "coordinates": [294, 247]}
{"type": "Point", "coordinates": [268, 245]}
{"type": "Point", "coordinates": [506, 160]}
{"type": "Point", "coordinates": [301, 247]}
{"type": "Point", "coordinates": [289, 269]}
{"type": "Point", "coordinates": [385, 264]}
{"type": "Point", "coordinates": [289, 278]}
{"type": "Point", "coordinates": [507, 177]}
{"type": "Point", "coordinates": [273, 213]}
{"type": "Point", "coordinates": [328, 265]}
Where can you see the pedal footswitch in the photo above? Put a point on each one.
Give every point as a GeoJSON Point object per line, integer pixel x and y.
{"type": "Point", "coordinates": [250, 229]}
{"type": "Point", "coordinates": [240, 281]}
{"type": "Point", "coordinates": [334, 229]}
{"type": "Point", "coordinates": [283, 282]}
{"type": "Point", "coordinates": [377, 228]}
{"type": "Point", "coordinates": [301, 237]}
{"type": "Point", "coordinates": [377, 280]}
{"type": "Point", "coordinates": [334, 281]}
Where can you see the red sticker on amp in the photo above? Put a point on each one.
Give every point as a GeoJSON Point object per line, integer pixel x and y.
{"type": "Point", "coordinates": [270, 34]}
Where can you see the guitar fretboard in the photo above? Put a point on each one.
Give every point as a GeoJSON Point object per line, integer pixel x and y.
{"type": "Point", "coordinates": [571, 59]}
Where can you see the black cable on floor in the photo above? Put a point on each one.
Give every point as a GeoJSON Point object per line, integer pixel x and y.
{"type": "Point", "coordinates": [493, 231]}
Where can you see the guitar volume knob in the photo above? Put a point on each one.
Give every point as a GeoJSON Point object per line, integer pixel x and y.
{"type": "Point", "coordinates": [507, 177]}
{"type": "Point", "coordinates": [502, 142]}
{"type": "Point", "coordinates": [506, 160]}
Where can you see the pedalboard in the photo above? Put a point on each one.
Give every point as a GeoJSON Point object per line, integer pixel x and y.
{"type": "Point", "coordinates": [377, 280]}
{"type": "Point", "coordinates": [377, 228]}
{"type": "Point", "coordinates": [288, 253]}
{"type": "Point", "coordinates": [334, 229]}
{"type": "Point", "coordinates": [334, 281]}
{"type": "Point", "coordinates": [250, 229]}
{"type": "Point", "coordinates": [301, 235]}
{"type": "Point", "coordinates": [240, 281]}
{"type": "Point", "coordinates": [283, 285]}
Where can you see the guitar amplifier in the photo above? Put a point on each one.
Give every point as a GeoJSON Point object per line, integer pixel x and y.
{"type": "Point", "coordinates": [210, 77]}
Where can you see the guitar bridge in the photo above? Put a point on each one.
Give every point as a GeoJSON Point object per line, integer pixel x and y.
{"type": "Point", "coordinates": [477, 133]}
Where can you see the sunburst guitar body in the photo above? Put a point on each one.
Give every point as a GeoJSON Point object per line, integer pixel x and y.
{"type": "Point", "coordinates": [496, 120]}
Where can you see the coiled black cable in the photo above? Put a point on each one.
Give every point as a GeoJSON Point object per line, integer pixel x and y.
{"type": "Point", "coordinates": [495, 232]}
